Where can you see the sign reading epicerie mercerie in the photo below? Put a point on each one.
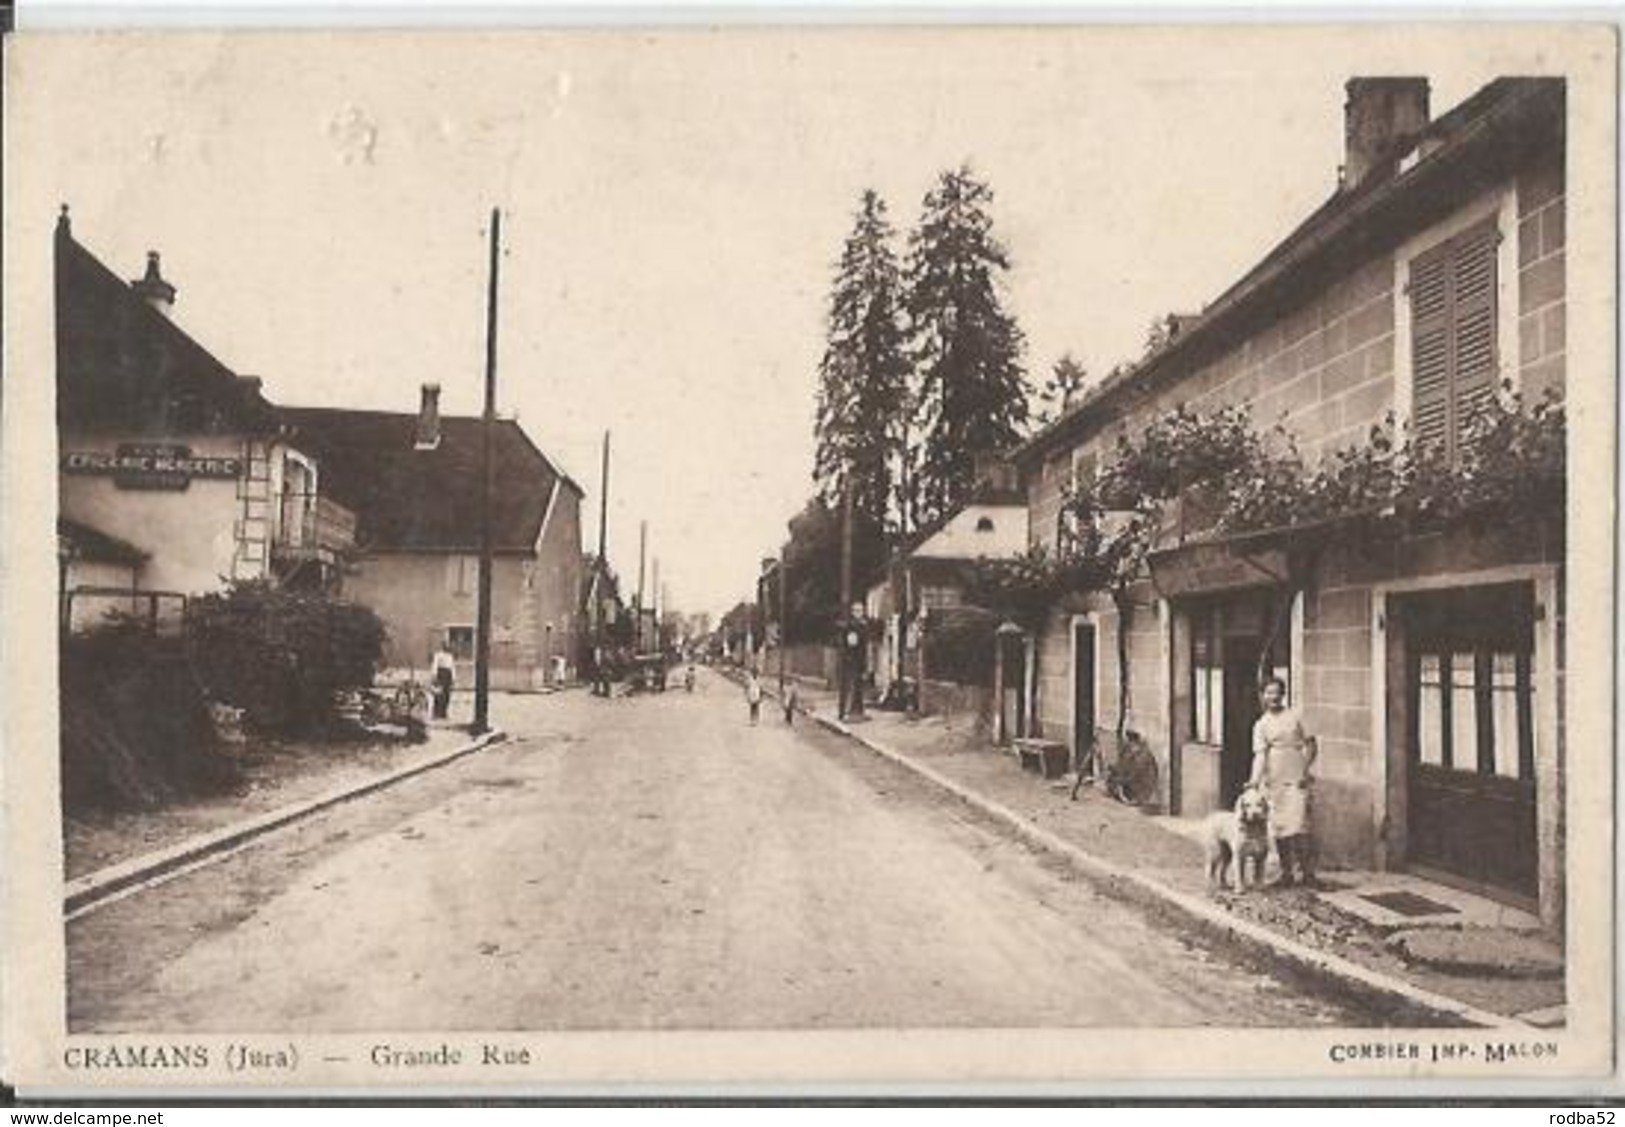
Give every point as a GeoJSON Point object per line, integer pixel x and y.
{"type": "Point", "coordinates": [150, 465]}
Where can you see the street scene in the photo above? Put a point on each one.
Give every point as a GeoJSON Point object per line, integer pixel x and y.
{"type": "Point", "coordinates": [653, 864]}
{"type": "Point", "coordinates": [866, 542]}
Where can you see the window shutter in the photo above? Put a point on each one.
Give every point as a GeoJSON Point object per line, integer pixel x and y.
{"type": "Point", "coordinates": [1473, 282]}
{"type": "Point", "coordinates": [1430, 346]}
{"type": "Point", "coordinates": [1453, 325]}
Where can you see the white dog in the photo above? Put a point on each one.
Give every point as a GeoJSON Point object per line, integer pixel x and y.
{"type": "Point", "coordinates": [1240, 835]}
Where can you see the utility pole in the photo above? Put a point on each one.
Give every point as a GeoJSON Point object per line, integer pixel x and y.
{"type": "Point", "coordinates": [845, 617]}
{"type": "Point", "coordinates": [482, 632]}
{"type": "Point", "coordinates": [784, 614]}
{"type": "Point", "coordinates": [643, 548]}
{"type": "Point", "coordinates": [600, 681]}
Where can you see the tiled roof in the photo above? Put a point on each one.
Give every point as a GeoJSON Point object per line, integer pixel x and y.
{"type": "Point", "coordinates": [1487, 135]}
{"type": "Point", "coordinates": [406, 499]}
{"type": "Point", "coordinates": [121, 364]}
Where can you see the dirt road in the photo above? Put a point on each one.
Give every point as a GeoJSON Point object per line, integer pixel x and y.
{"type": "Point", "coordinates": [652, 862]}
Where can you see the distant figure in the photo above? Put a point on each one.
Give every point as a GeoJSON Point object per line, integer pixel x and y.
{"type": "Point", "coordinates": [443, 673]}
{"type": "Point", "coordinates": [789, 699]}
{"type": "Point", "coordinates": [688, 677]}
{"type": "Point", "coordinates": [753, 696]}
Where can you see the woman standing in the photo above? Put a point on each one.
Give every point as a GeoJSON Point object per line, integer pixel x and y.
{"type": "Point", "coordinates": [1282, 757]}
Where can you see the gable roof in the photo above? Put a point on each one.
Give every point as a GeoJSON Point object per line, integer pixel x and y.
{"type": "Point", "coordinates": [1486, 138]}
{"type": "Point", "coordinates": [406, 499]}
{"type": "Point", "coordinates": [122, 365]}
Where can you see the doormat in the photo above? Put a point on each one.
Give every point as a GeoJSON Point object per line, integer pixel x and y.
{"type": "Point", "coordinates": [1408, 904]}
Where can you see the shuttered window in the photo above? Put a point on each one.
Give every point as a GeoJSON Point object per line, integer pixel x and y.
{"type": "Point", "coordinates": [1453, 330]}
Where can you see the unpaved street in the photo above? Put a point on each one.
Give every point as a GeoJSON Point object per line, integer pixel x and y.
{"type": "Point", "coordinates": [651, 862]}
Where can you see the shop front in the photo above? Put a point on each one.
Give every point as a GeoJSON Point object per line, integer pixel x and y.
{"type": "Point", "coordinates": [1231, 627]}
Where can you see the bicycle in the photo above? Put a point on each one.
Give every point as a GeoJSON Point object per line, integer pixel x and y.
{"type": "Point", "coordinates": [1130, 774]}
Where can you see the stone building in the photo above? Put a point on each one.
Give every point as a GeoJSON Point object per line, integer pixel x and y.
{"type": "Point", "coordinates": [1430, 666]}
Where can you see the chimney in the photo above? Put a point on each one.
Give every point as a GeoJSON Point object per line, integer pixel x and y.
{"type": "Point", "coordinates": [152, 288]}
{"type": "Point", "coordinates": [1380, 119]}
{"type": "Point", "coordinates": [427, 435]}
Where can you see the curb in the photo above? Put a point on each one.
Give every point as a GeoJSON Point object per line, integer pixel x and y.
{"type": "Point", "coordinates": [1317, 963]}
{"type": "Point", "coordinates": [84, 894]}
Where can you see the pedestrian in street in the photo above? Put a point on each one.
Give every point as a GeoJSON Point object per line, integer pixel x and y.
{"type": "Point", "coordinates": [753, 696]}
{"type": "Point", "coordinates": [443, 674]}
{"type": "Point", "coordinates": [789, 699]}
{"type": "Point", "coordinates": [1283, 755]}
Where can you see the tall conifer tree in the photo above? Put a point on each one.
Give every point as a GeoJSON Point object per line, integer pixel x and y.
{"type": "Point", "coordinates": [863, 376]}
{"type": "Point", "coordinates": [973, 393]}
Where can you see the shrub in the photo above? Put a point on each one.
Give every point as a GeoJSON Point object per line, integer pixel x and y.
{"type": "Point", "coordinates": [136, 729]}
{"type": "Point", "coordinates": [282, 656]}
{"type": "Point", "coordinates": [959, 645]}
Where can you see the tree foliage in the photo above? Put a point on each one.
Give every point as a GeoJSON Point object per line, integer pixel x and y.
{"type": "Point", "coordinates": [1065, 384]}
{"type": "Point", "coordinates": [812, 557]}
{"type": "Point", "coordinates": [863, 376]}
{"type": "Point", "coordinates": [972, 390]}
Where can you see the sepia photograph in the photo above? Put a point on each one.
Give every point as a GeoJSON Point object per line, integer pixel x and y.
{"type": "Point", "coordinates": [810, 555]}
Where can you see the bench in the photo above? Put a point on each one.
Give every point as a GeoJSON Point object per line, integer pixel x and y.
{"type": "Point", "coordinates": [1048, 757]}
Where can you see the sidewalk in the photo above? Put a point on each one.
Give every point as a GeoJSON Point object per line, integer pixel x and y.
{"type": "Point", "coordinates": [105, 853]}
{"type": "Point", "coordinates": [1458, 946]}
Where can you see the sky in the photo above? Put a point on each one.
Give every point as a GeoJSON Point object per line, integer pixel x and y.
{"type": "Point", "coordinates": [673, 207]}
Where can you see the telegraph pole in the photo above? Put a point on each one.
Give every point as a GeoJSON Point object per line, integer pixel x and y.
{"type": "Point", "coordinates": [643, 548]}
{"type": "Point", "coordinates": [482, 632]}
{"type": "Point", "coordinates": [784, 615]}
{"type": "Point", "coordinates": [845, 618]}
{"type": "Point", "coordinates": [600, 680]}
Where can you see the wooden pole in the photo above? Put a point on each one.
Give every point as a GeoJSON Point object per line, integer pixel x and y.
{"type": "Point", "coordinates": [482, 633]}
{"type": "Point", "coordinates": [600, 682]}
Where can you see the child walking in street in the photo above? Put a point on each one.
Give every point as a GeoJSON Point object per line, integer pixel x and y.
{"type": "Point", "coordinates": [753, 696]}
{"type": "Point", "coordinates": [788, 698]}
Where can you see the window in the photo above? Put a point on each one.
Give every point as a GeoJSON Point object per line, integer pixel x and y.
{"type": "Point", "coordinates": [984, 524]}
{"type": "Point", "coordinates": [460, 642]}
{"type": "Point", "coordinates": [1472, 682]}
{"type": "Point", "coordinates": [1454, 363]}
{"type": "Point", "coordinates": [1474, 711]}
{"type": "Point", "coordinates": [1207, 671]}
{"type": "Point", "coordinates": [462, 574]}
{"type": "Point", "coordinates": [1084, 465]}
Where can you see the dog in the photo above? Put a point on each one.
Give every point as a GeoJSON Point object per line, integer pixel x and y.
{"type": "Point", "coordinates": [1240, 835]}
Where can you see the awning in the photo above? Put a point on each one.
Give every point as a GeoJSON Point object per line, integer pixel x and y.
{"type": "Point", "coordinates": [1225, 565]}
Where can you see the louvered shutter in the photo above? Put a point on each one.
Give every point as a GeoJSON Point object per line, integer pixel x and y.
{"type": "Point", "coordinates": [1453, 322]}
{"type": "Point", "coordinates": [1430, 346]}
{"type": "Point", "coordinates": [1473, 286]}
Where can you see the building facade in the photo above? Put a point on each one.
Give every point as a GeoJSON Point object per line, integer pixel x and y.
{"type": "Point", "coordinates": [175, 473]}
{"type": "Point", "coordinates": [414, 481]}
{"type": "Point", "coordinates": [1428, 666]}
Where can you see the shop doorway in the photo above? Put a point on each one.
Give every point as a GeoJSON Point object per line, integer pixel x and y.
{"type": "Point", "coordinates": [1083, 691]}
{"type": "Point", "coordinates": [1241, 711]}
{"type": "Point", "coordinates": [1469, 697]}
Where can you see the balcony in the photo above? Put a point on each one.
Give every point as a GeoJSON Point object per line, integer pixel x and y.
{"type": "Point", "coordinates": [311, 527]}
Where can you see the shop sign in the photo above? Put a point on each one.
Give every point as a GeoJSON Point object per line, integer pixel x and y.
{"type": "Point", "coordinates": [1198, 568]}
{"type": "Point", "coordinates": [150, 465]}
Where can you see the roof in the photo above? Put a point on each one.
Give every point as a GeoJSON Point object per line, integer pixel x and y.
{"type": "Point", "coordinates": [962, 538]}
{"type": "Point", "coordinates": [406, 499]}
{"type": "Point", "coordinates": [1486, 138]}
{"type": "Point", "coordinates": [93, 545]}
{"type": "Point", "coordinates": [122, 365]}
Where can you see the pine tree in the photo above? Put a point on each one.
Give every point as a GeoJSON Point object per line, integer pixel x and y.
{"type": "Point", "coordinates": [863, 376]}
{"type": "Point", "coordinates": [972, 390]}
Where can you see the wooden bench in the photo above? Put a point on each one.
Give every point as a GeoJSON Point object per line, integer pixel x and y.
{"type": "Point", "coordinates": [1047, 757]}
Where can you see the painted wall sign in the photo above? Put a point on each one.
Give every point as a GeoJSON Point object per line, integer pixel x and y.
{"type": "Point", "coordinates": [150, 465]}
